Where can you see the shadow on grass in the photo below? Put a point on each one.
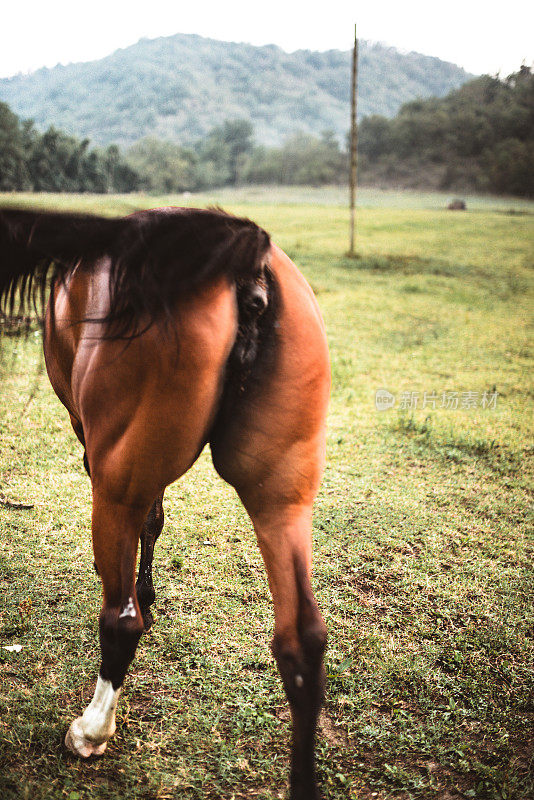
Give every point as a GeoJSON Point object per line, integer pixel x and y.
{"type": "Point", "coordinates": [405, 264]}
{"type": "Point", "coordinates": [459, 447]}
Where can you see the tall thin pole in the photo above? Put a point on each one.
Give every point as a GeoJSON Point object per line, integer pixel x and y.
{"type": "Point", "coordinates": [353, 145]}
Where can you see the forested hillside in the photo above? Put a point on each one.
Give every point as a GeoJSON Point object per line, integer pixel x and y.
{"type": "Point", "coordinates": [480, 137]}
{"type": "Point", "coordinates": [178, 88]}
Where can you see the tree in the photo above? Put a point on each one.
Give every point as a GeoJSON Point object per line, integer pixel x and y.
{"type": "Point", "coordinates": [13, 172]}
{"type": "Point", "coordinates": [238, 137]}
{"type": "Point", "coordinates": [163, 167]}
{"type": "Point", "coordinates": [302, 159]}
{"type": "Point", "coordinates": [226, 151]}
{"type": "Point", "coordinates": [510, 167]}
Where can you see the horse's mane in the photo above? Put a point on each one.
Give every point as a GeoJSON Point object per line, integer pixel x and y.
{"type": "Point", "coordinates": [155, 257]}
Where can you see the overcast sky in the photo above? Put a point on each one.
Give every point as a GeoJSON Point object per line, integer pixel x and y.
{"type": "Point", "coordinates": [476, 34]}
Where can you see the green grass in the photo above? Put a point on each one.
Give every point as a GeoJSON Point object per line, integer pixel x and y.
{"type": "Point", "coordinates": [368, 197]}
{"type": "Point", "coordinates": [423, 544]}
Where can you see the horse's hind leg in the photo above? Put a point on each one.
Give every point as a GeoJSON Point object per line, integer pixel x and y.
{"type": "Point", "coordinates": [116, 528]}
{"type": "Point", "coordinates": [284, 537]}
{"type": "Point", "coordinates": [144, 587]}
{"type": "Point", "coordinates": [277, 485]}
{"type": "Point", "coordinates": [269, 443]}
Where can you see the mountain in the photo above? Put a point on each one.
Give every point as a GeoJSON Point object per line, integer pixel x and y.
{"type": "Point", "coordinates": [179, 87]}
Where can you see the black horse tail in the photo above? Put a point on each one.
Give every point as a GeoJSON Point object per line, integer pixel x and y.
{"type": "Point", "coordinates": [155, 257]}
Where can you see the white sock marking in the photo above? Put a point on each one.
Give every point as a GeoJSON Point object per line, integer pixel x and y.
{"type": "Point", "coordinates": [98, 720]}
{"type": "Point", "coordinates": [88, 735]}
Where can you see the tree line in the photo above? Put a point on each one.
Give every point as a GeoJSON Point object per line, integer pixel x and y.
{"type": "Point", "coordinates": [54, 161]}
{"type": "Point", "coordinates": [479, 137]}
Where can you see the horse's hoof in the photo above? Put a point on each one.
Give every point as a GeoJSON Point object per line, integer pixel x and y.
{"type": "Point", "coordinates": [77, 743]}
{"type": "Point", "coordinates": [148, 619]}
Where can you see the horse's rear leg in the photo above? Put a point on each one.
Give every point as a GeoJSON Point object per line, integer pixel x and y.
{"type": "Point", "coordinates": [116, 529]}
{"type": "Point", "coordinates": [144, 586]}
{"type": "Point", "coordinates": [284, 536]}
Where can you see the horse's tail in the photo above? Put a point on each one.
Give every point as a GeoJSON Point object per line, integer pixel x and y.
{"type": "Point", "coordinates": [155, 257]}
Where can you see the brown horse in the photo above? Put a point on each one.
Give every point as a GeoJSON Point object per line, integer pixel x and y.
{"type": "Point", "coordinates": [164, 331]}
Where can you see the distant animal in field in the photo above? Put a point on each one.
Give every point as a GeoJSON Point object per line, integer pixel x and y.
{"type": "Point", "coordinates": [165, 331]}
{"type": "Point", "coordinates": [457, 205]}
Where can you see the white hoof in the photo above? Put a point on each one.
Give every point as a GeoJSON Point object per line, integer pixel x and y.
{"type": "Point", "coordinates": [77, 743]}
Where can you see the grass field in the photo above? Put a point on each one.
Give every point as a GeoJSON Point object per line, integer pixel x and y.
{"type": "Point", "coordinates": [423, 540]}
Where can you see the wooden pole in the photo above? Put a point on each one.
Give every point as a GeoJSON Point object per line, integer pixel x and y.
{"type": "Point", "coordinates": [353, 146]}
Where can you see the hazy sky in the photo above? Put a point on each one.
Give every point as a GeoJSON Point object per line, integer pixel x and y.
{"type": "Point", "coordinates": [476, 34]}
